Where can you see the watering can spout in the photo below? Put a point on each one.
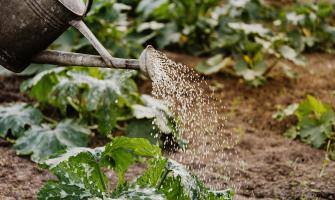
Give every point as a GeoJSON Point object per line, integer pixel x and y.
{"type": "Point", "coordinates": [145, 61]}
{"type": "Point", "coordinates": [33, 25]}
{"type": "Point", "coordinates": [143, 64]}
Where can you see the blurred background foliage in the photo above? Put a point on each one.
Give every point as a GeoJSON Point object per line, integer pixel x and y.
{"type": "Point", "coordinates": [244, 32]}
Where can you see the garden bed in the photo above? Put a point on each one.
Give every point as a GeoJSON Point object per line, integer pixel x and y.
{"type": "Point", "coordinates": [273, 166]}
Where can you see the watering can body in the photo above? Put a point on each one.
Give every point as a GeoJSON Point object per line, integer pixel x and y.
{"type": "Point", "coordinates": [29, 26]}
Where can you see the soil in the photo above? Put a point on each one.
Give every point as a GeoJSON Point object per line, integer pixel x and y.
{"type": "Point", "coordinates": [270, 165]}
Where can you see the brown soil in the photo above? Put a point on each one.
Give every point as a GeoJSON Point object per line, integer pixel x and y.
{"type": "Point", "coordinates": [10, 89]}
{"type": "Point", "coordinates": [273, 167]}
{"type": "Point", "coordinates": [19, 177]}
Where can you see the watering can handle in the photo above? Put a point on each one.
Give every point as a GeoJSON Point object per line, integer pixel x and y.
{"type": "Point", "coordinates": [88, 6]}
{"type": "Point", "coordinates": [83, 29]}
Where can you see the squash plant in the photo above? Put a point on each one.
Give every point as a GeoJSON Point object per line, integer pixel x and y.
{"type": "Point", "coordinates": [89, 100]}
{"type": "Point", "coordinates": [316, 123]}
{"type": "Point", "coordinates": [80, 176]}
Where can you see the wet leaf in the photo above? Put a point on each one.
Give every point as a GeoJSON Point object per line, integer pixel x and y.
{"type": "Point", "coordinates": [16, 118]}
{"type": "Point", "coordinates": [78, 177]}
{"type": "Point", "coordinates": [123, 152]}
{"type": "Point", "coordinates": [43, 141]}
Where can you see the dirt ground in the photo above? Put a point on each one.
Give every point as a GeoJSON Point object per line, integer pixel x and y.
{"type": "Point", "coordinates": [273, 167]}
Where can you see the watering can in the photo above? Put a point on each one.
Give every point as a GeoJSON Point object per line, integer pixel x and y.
{"type": "Point", "coordinates": [28, 27]}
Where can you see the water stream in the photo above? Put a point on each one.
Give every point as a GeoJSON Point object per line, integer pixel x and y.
{"type": "Point", "coordinates": [201, 116]}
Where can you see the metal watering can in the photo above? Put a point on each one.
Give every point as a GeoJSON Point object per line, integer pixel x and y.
{"type": "Point", "coordinates": [27, 27]}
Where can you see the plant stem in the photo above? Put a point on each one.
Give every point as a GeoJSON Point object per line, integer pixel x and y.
{"type": "Point", "coordinates": [166, 172]}
{"type": "Point", "coordinates": [268, 70]}
{"type": "Point", "coordinates": [48, 119]}
{"type": "Point", "coordinates": [102, 179]}
{"type": "Point", "coordinates": [326, 159]}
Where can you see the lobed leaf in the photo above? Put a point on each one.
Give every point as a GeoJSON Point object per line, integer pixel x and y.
{"type": "Point", "coordinates": [16, 118]}
{"type": "Point", "coordinates": [43, 141]}
{"type": "Point", "coordinates": [79, 177]}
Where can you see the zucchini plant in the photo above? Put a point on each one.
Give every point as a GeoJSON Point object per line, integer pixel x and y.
{"type": "Point", "coordinates": [80, 176]}
{"type": "Point", "coordinates": [316, 123]}
{"type": "Point", "coordinates": [89, 100]}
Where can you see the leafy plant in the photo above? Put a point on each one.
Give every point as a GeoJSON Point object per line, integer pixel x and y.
{"type": "Point", "coordinates": [35, 135]}
{"type": "Point", "coordinates": [246, 48]}
{"type": "Point", "coordinates": [45, 140]}
{"type": "Point", "coordinates": [79, 175]}
{"type": "Point", "coordinates": [184, 24]}
{"type": "Point", "coordinates": [15, 119]}
{"type": "Point", "coordinates": [309, 26]}
{"type": "Point", "coordinates": [316, 122]}
{"type": "Point", "coordinates": [155, 122]}
{"type": "Point", "coordinates": [107, 98]}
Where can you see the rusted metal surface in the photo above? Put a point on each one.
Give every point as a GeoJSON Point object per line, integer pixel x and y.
{"type": "Point", "coordinates": [29, 26]}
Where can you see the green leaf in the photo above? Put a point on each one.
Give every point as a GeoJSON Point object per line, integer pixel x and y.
{"type": "Point", "coordinates": [153, 176]}
{"type": "Point", "coordinates": [214, 64]}
{"type": "Point", "coordinates": [16, 118]}
{"type": "Point", "coordinates": [288, 111]}
{"type": "Point", "coordinates": [292, 133]}
{"type": "Point", "coordinates": [258, 29]}
{"type": "Point", "coordinates": [123, 152]}
{"type": "Point", "coordinates": [172, 179]}
{"type": "Point", "coordinates": [315, 122]}
{"type": "Point", "coordinates": [152, 7]}
{"type": "Point", "coordinates": [138, 193]}
{"type": "Point", "coordinates": [78, 177]}
{"type": "Point", "coordinates": [163, 123]}
{"type": "Point", "coordinates": [143, 128]}
{"type": "Point", "coordinates": [312, 106]}
{"type": "Point", "coordinates": [156, 110]}
{"type": "Point", "coordinates": [41, 85]}
{"type": "Point", "coordinates": [192, 187]}
{"type": "Point", "coordinates": [72, 152]}
{"type": "Point", "coordinates": [107, 99]}
{"type": "Point", "coordinates": [43, 141]}
{"type": "Point", "coordinates": [292, 55]}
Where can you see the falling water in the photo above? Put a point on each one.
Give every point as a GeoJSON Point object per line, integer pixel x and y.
{"type": "Point", "coordinates": [186, 93]}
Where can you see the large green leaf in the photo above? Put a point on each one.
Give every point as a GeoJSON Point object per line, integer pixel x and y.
{"type": "Point", "coordinates": [41, 85]}
{"type": "Point", "coordinates": [154, 122]}
{"type": "Point", "coordinates": [156, 110]}
{"type": "Point", "coordinates": [103, 96]}
{"type": "Point", "coordinates": [16, 118]}
{"type": "Point", "coordinates": [78, 177]}
{"type": "Point", "coordinates": [108, 98]}
{"type": "Point", "coordinates": [123, 152]}
{"type": "Point", "coordinates": [192, 186]}
{"type": "Point", "coordinates": [173, 180]}
{"type": "Point", "coordinates": [43, 141]}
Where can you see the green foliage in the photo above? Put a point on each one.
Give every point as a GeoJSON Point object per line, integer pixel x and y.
{"type": "Point", "coordinates": [123, 152]}
{"type": "Point", "coordinates": [43, 141]}
{"type": "Point", "coordinates": [79, 175]}
{"type": "Point", "coordinates": [108, 20]}
{"type": "Point", "coordinates": [309, 26]}
{"type": "Point", "coordinates": [184, 24]}
{"type": "Point", "coordinates": [155, 122]}
{"type": "Point", "coordinates": [248, 31]}
{"type": "Point", "coordinates": [35, 136]}
{"type": "Point", "coordinates": [107, 98]}
{"type": "Point", "coordinates": [316, 122]}
{"type": "Point", "coordinates": [16, 118]}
